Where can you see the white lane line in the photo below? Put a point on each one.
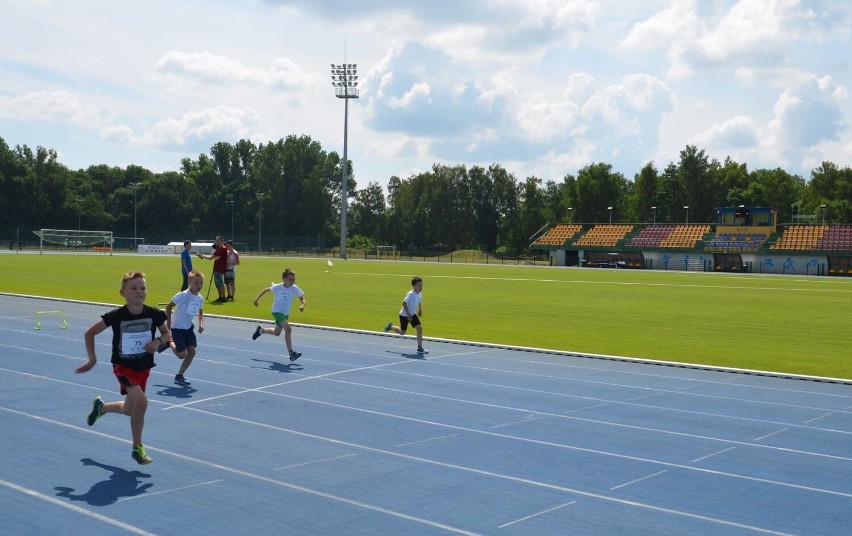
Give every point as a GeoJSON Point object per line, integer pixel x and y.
{"type": "Point", "coordinates": [152, 493]}
{"type": "Point", "coordinates": [638, 480]}
{"type": "Point", "coordinates": [580, 419]}
{"type": "Point", "coordinates": [770, 435]}
{"type": "Point", "coordinates": [246, 474]}
{"type": "Point", "coordinates": [426, 440]}
{"type": "Point", "coordinates": [313, 462]}
{"type": "Point", "coordinates": [504, 525]}
{"type": "Point", "coordinates": [711, 455]}
{"type": "Point", "coordinates": [529, 418]}
{"type": "Point", "coordinates": [77, 509]}
{"type": "Point", "coordinates": [818, 418]}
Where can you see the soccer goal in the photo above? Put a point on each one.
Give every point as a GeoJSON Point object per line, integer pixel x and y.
{"type": "Point", "coordinates": [75, 239]}
{"type": "Point", "coordinates": [386, 252]}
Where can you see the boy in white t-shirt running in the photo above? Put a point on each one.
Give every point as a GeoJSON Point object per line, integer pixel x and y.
{"type": "Point", "coordinates": [283, 293]}
{"type": "Point", "coordinates": [180, 313]}
{"type": "Point", "coordinates": [410, 314]}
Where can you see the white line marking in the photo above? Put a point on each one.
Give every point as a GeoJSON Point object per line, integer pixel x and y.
{"type": "Point", "coordinates": [770, 435]}
{"type": "Point", "coordinates": [582, 419]}
{"type": "Point", "coordinates": [152, 493]}
{"type": "Point", "coordinates": [69, 506]}
{"type": "Point", "coordinates": [504, 525]}
{"type": "Point", "coordinates": [246, 474]}
{"type": "Point", "coordinates": [426, 440]}
{"type": "Point", "coordinates": [528, 419]}
{"type": "Point", "coordinates": [711, 455]}
{"type": "Point", "coordinates": [818, 418]}
{"type": "Point", "coordinates": [313, 462]}
{"type": "Point", "coordinates": [638, 480]}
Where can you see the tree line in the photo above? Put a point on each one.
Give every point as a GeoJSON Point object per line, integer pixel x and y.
{"type": "Point", "coordinates": [292, 187]}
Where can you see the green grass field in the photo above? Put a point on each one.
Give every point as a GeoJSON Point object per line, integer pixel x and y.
{"type": "Point", "coordinates": [788, 324]}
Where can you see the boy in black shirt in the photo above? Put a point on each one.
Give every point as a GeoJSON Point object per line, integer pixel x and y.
{"type": "Point", "coordinates": [133, 345]}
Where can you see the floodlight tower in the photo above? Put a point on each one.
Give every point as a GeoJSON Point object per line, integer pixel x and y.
{"type": "Point", "coordinates": [344, 78]}
{"type": "Point", "coordinates": [135, 186]}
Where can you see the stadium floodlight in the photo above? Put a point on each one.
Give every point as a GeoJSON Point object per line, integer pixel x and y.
{"type": "Point", "coordinates": [610, 214]}
{"type": "Point", "coordinates": [823, 213]}
{"type": "Point", "coordinates": [135, 186]}
{"type": "Point", "coordinates": [231, 201]}
{"type": "Point", "coordinates": [655, 214]}
{"type": "Point", "coordinates": [571, 214]}
{"type": "Point", "coordinates": [687, 212]}
{"type": "Point", "coordinates": [344, 78]}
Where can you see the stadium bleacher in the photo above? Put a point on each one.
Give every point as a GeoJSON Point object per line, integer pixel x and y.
{"type": "Point", "coordinates": [558, 234]}
{"type": "Point", "coordinates": [685, 236]}
{"type": "Point", "coordinates": [745, 242]}
{"type": "Point", "coordinates": [604, 235]}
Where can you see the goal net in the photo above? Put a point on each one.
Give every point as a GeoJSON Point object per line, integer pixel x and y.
{"type": "Point", "coordinates": [75, 239]}
{"type": "Point", "coordinates": [386, 252]}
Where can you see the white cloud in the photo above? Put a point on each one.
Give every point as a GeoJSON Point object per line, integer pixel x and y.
{"type": "Point", "coordinates": [807, 115]}
{"type": "Point", "coordinates": [740, 132]}
{"type": "Point", "coordinates": [205, 126]}
{"type": "Point", "coordinates": [542, 86]}
{"type": "Point", "coordinates": [419, 93]}
{"type": "Point", "coordinates": [207, 68]}
{"type": "Point", "coordinates": [59, 105]}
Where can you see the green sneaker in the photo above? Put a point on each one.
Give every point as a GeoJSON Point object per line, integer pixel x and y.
{"type": "Point", "coordinates": [97, 411]}
{"type": "Point", "coordinates": [141, 456]}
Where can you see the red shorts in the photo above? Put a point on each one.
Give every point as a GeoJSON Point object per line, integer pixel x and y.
{"type": "Point", "coordinates": [128, 376]}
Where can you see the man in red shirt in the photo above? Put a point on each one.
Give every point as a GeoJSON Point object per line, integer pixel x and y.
{"type": "Point", "coordinates": [220, 266]}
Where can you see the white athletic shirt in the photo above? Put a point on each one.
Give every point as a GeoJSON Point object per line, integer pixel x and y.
{"type": "Point", "coordinates": [187, 307]}
{"type": "Point", "coordinates": [284, 297]}
{"type": "Point", "coordinates": [413, 301]}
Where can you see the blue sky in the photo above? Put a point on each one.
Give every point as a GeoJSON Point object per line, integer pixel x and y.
{"type": "Point", "coordinates": [541, 87]}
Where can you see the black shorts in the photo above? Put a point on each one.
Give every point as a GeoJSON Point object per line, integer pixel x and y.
{"type": "Point", "coordinates": [403, 322]}
{"type": "Point", "coordinates": [184, 338]}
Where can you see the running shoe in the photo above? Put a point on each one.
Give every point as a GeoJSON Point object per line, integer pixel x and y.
{"type": "Point", "coordinates": [388, 326]}
{"type": "Point", "coordinates": [97, 411]}
{"type": "Point", "coordinates": [257, 333]}
{"type": "Point", "coordinates": [421, 351]}
{"type": "Point", "coordinates": [141, 456]}
{"type": "Point", "coordinates": [295, 355]}
{"type": "Point", "coordinates": [180, 380]}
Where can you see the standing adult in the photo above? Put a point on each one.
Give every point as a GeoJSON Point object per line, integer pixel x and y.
{"type": "Point", "coordinates": [231, 274]}
{"type": "Point", "coordinates": [185, 264]}
{"type": "Point", "coordinates": [220, 266]}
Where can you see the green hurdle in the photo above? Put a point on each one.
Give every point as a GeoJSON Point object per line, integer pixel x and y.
{"type": "Point", "coordinates": [39, 314]}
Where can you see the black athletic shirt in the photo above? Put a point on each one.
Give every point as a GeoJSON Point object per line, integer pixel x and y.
{"type": "Point", "coordinates": [130, 334]}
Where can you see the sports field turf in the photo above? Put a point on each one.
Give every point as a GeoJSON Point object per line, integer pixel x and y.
{"type": "Point", "coordinates": [788, 324]}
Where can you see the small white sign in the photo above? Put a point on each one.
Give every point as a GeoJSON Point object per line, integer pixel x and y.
{"type": "Point", "coordinates": [155, 250]}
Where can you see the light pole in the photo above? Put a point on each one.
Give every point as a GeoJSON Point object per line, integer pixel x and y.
{"type": "Point", "coordinates": [135, 186]}
{"type": "Point", "coordinates": [610, 214]}
{"type": "Point", "coordinates": [687, 212]}
{"type": "Point", "coordinates": [259, 218]}
{"type": "Point", "coordinates": [571, 214]}
{"type": "Point", "coordinates": [344, 78]}
{"type": "Point", "coordinates": [823, 213]}
{"type": "Point", "coordinates": [655, 214]}
{"type": "Point", "coordinates": [793, 210]}
{"type": "Point", "coordinates": [231, 201]}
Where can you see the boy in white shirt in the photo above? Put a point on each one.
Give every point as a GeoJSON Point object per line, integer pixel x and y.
{"type": "Point", "coordinates": [410, 314]}
{"type": "Point", "coordinates": [186, 306]}
{"type": "Point", "coordinates": [284, 293]}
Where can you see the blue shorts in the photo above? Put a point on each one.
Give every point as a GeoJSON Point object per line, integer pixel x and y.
{"type": "Point", "coordinates": [184, 338]}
